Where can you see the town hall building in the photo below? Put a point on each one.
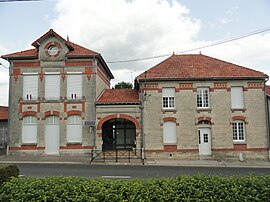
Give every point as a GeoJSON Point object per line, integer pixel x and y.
{"type": "Point", "coordinates": [187, 106]}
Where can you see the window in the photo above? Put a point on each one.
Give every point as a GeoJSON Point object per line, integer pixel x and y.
{"type": "Point", "coordinates": [52, 87]}
{"type": "Point", "coordinates": [74, 128]}
{"type": "Point", "coordinates": [169, 132]}
{"type": "Point", "coordinates": [237, 98]}
{"type": "Point", "coordinates": [74, 86]}
{"type": "Point", "coordinates": [30, 87]}
{"type": "Point", "coordinates": [203, 98]}
{"type": "Point", "coordinates": [29, 130]}
{"type": "Point", "coordinates": [238, 131]}
{"type": "Point", "coordinates": [168, 95]}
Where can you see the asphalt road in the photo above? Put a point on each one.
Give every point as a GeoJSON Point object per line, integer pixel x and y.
{"type": "Point", "coordinates": [129, 171]}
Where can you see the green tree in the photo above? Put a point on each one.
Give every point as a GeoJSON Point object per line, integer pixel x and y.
{"type": "Point", "coordinates": [123, 85]}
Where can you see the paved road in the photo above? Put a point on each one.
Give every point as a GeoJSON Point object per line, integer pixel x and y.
{"type": "Point", "coordinates": [128, 171]}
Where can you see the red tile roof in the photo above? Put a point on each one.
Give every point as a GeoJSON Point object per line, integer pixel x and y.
{"type": "Point", "coordinates": [268, 90]}
{"type": "Point", "coordinates": [196, 66]}
{"type": "Point", "coordinates": [75, 49]}
{"type": "Point", "coordinates": [3, 113]}
{"type": "Point", "coordinates": [119, 96]}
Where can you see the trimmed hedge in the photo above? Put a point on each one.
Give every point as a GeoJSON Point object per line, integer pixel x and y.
{"type": "Point", "coordinates": [186, 188]}
{"type": "Point", "coordinates": [7, 171]}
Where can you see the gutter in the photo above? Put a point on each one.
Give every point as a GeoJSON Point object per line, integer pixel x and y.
{"type": "Point", "coordinates": [267, 117]}
{"type": "Point", "coordinates": [201, 79]}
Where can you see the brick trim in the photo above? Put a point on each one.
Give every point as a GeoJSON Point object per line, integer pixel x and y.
{"type": "Point", "coordinates": [52, 113]}
{"type": "Point", "coordinates": [74, 112]}
{"type": "Point", "coordinates": [171, 119]}
{"type": "Point", "coordinates": [16, 73]}
{"type": "Point", "coordinates": [76, 146]}
{"type": "Point", "coordinates": [115, 116]}
{"type": "Point", "coordinates": [178, 150]}
{"type": "Point", "coordinates": [50, 44]}
{"type": "Point", "coordinates": [29, 113]}
{"type": "Point", "coordinates": [239, 118]}
{"type": "Point", "coordinates": [26, 64]}
{"type": "Point", "coordinates": [27, 147]}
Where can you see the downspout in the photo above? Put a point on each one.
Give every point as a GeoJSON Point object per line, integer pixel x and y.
{"type": "Point", "coordinates": [9, 104]}
{"type": "Point", "coordinates": [94, 108]}
{"type": "Point", "coordinates": [142, 125]}
{"type": "Point", "coordinates": [267, 118]}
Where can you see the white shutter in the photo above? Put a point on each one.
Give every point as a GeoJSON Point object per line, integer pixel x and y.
{"type": "Point", "coordinates": [29, 130]}
{"type": "Point", "coordinates": [30, 87]}
{"type": "Point", "coordinates": [168, 92]}
{"type": "Point", "coordinates": [74, 129]}
{"type": "Point", "coordinates": [169, 133]}
{"type": "Point", "coordinates": [237, 97]}
{"type": "Point", "coordinates": [52, 87]}
{"type": "Point", "coordinates": [74, 86]}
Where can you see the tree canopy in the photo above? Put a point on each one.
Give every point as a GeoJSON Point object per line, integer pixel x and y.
{"type": "Point", "coordinates": [123, 85]}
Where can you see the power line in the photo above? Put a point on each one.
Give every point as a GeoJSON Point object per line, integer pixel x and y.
{"type": "Point", "coordinates": [7, 1]}
{"type": "Point", "coordinates": [4, 66]}
{"type": "Point", "coordinates": [198, 48]}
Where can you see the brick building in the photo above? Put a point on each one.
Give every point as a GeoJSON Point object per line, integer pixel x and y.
{"type": "Point", "coordinates": [188, 106]}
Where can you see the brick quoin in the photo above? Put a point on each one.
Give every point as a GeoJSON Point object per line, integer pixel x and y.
{"type": "Point", "coordinates": [115, 116]}
{"type": "Point", "coordinates": [29, 113]}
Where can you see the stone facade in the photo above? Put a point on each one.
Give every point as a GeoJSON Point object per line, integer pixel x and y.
{"type": "Point", "coordinates": [185, 130]}
{"type": "Point", "coordinates": [221, 115]}
{"type": "Point", "coordinates": [89, 65]}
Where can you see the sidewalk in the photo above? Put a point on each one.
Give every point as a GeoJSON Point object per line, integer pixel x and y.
{"type": "Point", "coordinates": [149, 162]}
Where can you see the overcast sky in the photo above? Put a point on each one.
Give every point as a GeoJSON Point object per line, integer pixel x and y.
{"type": "Point", "coordinates": [131, 29]}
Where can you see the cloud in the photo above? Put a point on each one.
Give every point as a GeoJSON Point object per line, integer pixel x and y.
{"type": "Point", "coordinates": [123, 30]}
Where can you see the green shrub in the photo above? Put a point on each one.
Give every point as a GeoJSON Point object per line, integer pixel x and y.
{"type": "Point", "coordinates": [7, 171]}
{"type": "Point", "coordinates": [186, 188]}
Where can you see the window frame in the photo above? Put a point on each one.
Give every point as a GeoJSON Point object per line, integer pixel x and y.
{"type": "Point", "coordinates": [236, 99]}
{"type": "Point", "coordinates": [236, 131]}
{"type": "Point", "coordinates": [167, 139]}
{"type": "Point", "coordinates": [74, 121]}
{"type": "Point", "coordinates": [47, 91]}
{"type": "Point", "coordinates": [27, 122]}
{"type": "Point", "coordinates": [205, 101]}
{"type": "Point", "coordinates": [168, 101]}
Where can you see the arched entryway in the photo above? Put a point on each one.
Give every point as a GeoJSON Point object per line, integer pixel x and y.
{"type": "Point", "coordinates": [118, 133]}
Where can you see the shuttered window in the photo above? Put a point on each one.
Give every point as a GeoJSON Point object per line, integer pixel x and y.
{"type": "Point", "coordinates": [30, 87]}
{"type": "Point", "coordinates": [168, 96]}
{"type": "Point", "coordinates": [237, 97]}
{"type": "Point", "coordinates": [169, 132]}
{"type": "Point", "coordinates": [29, 130]}
{"type": "Point", "coordinates": [74, 129]}
{"type": "Point", "coordinates": [52, 87]}
{"type": "Point", "coordinates": [74, 86]}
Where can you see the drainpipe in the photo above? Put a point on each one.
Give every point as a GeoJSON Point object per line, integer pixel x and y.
{"type": "Point", "coordinates": [9, 110]}
{"type": "Point", "coordinates": [94, 108]}
{"type": "Point", "coordinates": [142, 126]}
{"type": "Point", "coordinates": [267, 119]}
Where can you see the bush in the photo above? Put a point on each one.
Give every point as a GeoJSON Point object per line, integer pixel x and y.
{"type": "Point", "coordinates": [187, 188]}
{"type": "Point", "coordinates": [7, 171]}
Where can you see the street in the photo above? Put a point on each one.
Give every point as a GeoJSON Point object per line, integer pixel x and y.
{"type": "Point", "coordinates": [130, 171]}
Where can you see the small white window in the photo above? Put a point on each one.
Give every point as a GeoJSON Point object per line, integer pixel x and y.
{"type": "Point", "coordinates": [29, 130]}
{"type": "Point", "coordinates": [239, 131]}
{"type": "Point", "coordinates": [169, 132]}
{"type": "Point", "coordinates": [168, 96]}
{"type": "Point", "coordinates": [237, 97]}
{"type": "Point", "coordinates": [52, 87]}
{"type": "Point", "coordinates": [74, 129]}
{"type": "Point", "coordinates": [203, 98]}
{"type": "Point", "coordinates": [74, 86]}
{"type": "Point", "coordinates": [30, 87]}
